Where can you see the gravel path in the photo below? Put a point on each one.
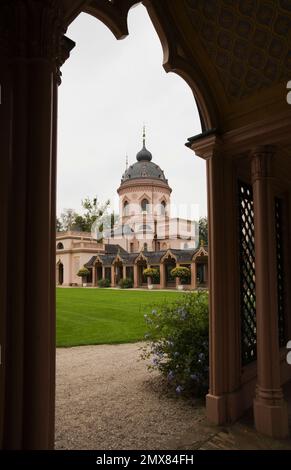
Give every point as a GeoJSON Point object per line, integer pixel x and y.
{"type": "Point", "coordinates": [107, 399]}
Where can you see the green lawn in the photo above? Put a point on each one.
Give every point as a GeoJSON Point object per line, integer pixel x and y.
{"type": "Point", "coordinates": [100, 316]}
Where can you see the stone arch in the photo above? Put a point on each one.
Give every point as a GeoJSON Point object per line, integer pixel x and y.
{"type": "Point", "coordinates": [261, 119]}
{"type": "Point", "coordinates": [144, 205]}
{"type": "Point", "coordinates": [115, 17]}
{"type": "Point", "coordinates": [141, 262]}
{"type": "Point", "coordinates": [125, 207]}
{"type": "Point", "coordinates": [118, 265]}
{"type": "Point", "coordinates": [168, 262]}
{"type": "Point", "coordinates": [175, 60]}
{"type": "Point", "coordinates": [163, 206]}
{"type": "Point", "coordinates": [60, 273]}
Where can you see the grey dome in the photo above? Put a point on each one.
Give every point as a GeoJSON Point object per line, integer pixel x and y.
{"type": "Point", "coordinates": [144, 155]}
{"type": "Point", "coordinates": [144, 167]}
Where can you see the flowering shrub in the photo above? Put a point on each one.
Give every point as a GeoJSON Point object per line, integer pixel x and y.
{"type": "Point", "coordinates": [177, 342]}
{"type": "Point", "coordinates": [180, 272]}
{"type": "Point", "coordinates": [151, 272]}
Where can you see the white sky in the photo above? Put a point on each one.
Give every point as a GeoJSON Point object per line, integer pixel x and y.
{"type": "Point", "coordinates": [109, 90]}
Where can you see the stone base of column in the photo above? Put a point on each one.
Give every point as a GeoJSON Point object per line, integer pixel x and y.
{"type": "Point", "coordinates": [271, 420]}
{"type": "Point", "coordinates": [216, 408]}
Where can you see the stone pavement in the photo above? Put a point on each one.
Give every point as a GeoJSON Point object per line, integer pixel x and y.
{"type": "Point", "coordinates": [238, 436]}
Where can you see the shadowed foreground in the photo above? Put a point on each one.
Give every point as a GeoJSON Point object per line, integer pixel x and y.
{"type": "Point", "coordinates": [107, 399]}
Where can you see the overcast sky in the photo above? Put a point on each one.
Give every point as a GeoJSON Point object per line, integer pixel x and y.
{"type": "Point", "coordinates": [109, 89]}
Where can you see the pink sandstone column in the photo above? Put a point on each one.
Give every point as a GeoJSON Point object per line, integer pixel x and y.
{"type": "Point", "coordinates": [193, 275]}
{"type": "Point", "coordinates": [270, 409]}
{"type": "Point", "coordinates": [94, 275]}
{"type": "Point", "coordinates": [135, 275]}
{"type": "Point", "coordinates": [162, 276]}
{"type": "Point", "coordinates": [113, 276]}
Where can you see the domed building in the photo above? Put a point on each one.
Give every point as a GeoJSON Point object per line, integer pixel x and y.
{"type": "Point", "coordinates": [145, 236]}
{"type": "Point", "coordinates": [144, 208]}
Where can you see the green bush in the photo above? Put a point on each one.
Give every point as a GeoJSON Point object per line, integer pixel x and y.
{"type": "Point", "coordinates": [126, 283]}
{"type": "Point", "coordinates": [156, 278]}
{"type": "Point", "coordinates": [177, 342]}
{"type": "Point", "coordinates": [83, 272]}
{"type": "Point", "coordinates": [104, 283]}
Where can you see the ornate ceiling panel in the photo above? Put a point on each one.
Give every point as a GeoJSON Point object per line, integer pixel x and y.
{"type": "Point", "coordinates": [248, 41]}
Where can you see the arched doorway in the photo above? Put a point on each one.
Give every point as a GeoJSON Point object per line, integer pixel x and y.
{"type": "Point", "coordinates": [118, 271]}
{"type": "Point", "coordinates": [141, 266]}
{"type": "Point", "coordinates": [168, 262]}
{"type": "Point", "coordinates": [97, 273]}
{"type": "Point", "coordinates": [60, 273]}
{"type": "Point", "coordinates": [39, 137]}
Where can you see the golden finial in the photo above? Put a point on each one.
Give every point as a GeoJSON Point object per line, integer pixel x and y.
{"type": "Point", "coordinates": [144, 135]}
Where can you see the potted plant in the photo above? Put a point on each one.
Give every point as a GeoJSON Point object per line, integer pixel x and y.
{"type": "Point", "coordinates": [181, 273]}
{"type": "Point", "coordinates": [83, 273]}
{"type": "Point", "coordinates": [150, 273]}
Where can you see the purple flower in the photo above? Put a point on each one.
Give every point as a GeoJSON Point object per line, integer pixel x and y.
{"type": "Point", "coordinates": [179, 389]}
{"type": "Point", "coordinates": [171, 375]}
{"type": "Point", "coordinates": [176, 353]}
{"type": "Point", "coordinates": [154, 312]}
{"type": "Point", "coordinates": [193, 377]}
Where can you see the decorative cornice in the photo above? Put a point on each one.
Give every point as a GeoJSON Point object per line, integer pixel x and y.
{"type": "Point", "coordinates": [207, 146]}
{"type": "Point", "coordinates": [140, 257]}
{"type": "Point", "coordinates": [97, 261]}
{"type": "Point", "coordinates": [117, 259]}
{"type": "Point", "coordinates": [200, 253]}
{"type": "Point", "coordinates": [274, 129]}
{"type": "Point", "coordinates": [168, 255]}
{"type": "Point", "coordinates": [73, 251]}
{"type": "Point", "coordinates": [143, 186]}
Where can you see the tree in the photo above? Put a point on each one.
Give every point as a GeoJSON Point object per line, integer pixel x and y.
{"type": "Point", "coordinates": [93, 211]}
{"type": "Point", "coordinates": [67, 219]}
{"type": "Point", "coordinates": [58, 225]}
{"type": "Point", "coordinates": [203, 230]}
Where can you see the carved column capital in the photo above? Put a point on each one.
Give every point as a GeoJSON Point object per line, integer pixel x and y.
{"type": "Point", "coordinates": [261, 161]}
{"type": "Point", "coordinates": [33, 30]}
